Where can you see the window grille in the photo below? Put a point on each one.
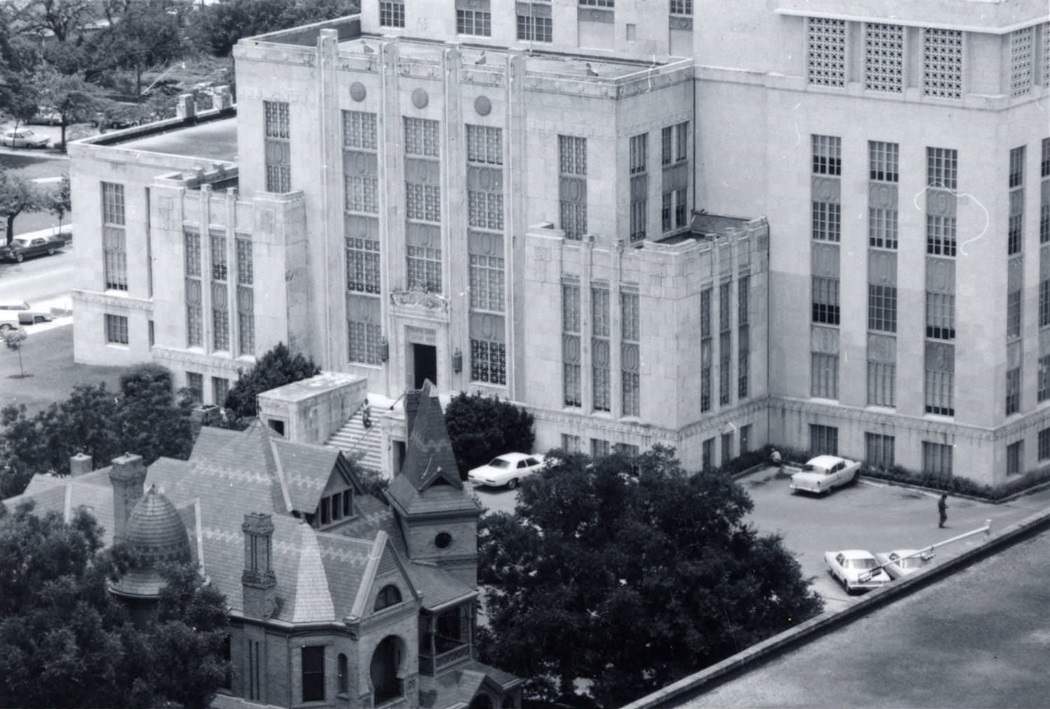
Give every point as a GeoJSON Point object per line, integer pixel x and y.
{"type": "Point", "coordinates": [942, 58]}
{"type": "Point", "coordinates": [884, 57]}
{"type": "Point", "coordinates": [1022, 43]}
{"type": "Point", "coordinates": [826, 51]}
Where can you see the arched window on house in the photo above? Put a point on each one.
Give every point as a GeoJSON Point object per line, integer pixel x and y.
{"type": "Point", "coordinates": [386, 662]}
{"type": "Point", "coordinates": [388, 596]}
{"type": "Point", "coordinates": [343, 671]}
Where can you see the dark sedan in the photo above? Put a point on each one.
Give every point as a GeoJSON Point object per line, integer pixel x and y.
{"type": "Point", "coordinates": [22, 248]}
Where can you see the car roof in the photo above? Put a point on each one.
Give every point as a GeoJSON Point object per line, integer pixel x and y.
{"type": "Point", "coordinates": [514, 456]}
{"type": "Point", "coordinates": [855, 553]}
{"type": "Point", "coordinates": [825, 460]}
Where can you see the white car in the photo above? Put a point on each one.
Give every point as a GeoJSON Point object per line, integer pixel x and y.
{"type": "Point", "coordinates": [855, 569]}
{"type": "Point", "coordinates": [22, 138]}
{"type": "Point", "coordinates": [824, 473]}
{"type": "Point", "coordinates": [903, 562]}
{"type": "Point", "coordinates": [507, 469]}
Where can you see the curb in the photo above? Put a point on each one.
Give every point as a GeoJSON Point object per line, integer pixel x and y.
{"type": "Point", "coordinates": [963, 496]}
{"type": "Point", "coordinates": [771, 648]}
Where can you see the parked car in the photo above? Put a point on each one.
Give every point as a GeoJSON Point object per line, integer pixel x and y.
{"type": "Point", "coordinates": [824, 473]}
{"type": "Point", "coordinates": [855, 569]}
{"type": "Point", "coordinates": [507, 469]}
{"type": "Point", "coordinates": [14, 305]}
{"type": "Point", "coordinates": [33, 317]}
{"type": "Point", "coordinates": [902, 562]}
{"type": "Point", "coordinates": [22, 138]}
{"type": "Point", "coordinates": [61, 239]}
{"type": "Point", "coordinates": [22, 248]}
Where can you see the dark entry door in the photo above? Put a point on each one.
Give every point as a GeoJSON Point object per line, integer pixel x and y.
{"type": "Point", "coordinates": [424, 358]}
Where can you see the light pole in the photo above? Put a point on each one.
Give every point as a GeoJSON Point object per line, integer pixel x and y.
{"type": "Point", "coordinates": [927, 552]}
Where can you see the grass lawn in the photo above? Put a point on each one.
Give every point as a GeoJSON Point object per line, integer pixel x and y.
{"type": "Point", "coordinates": [48, 357]}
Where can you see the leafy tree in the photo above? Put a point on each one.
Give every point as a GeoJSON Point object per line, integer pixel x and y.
{"type": "Point", "coordinates": [153, 423]}
{"type": "Point", "coordinates": [17, 195]}
{"type": "Point", "coordinates": [60, 201]}
{"type": "Point", "coordinates": [66, 642]}
{"type": "Point", "coordinates": [15, 340]}
{"type": "Point", "coordinates": [275, 368]}
{"type": "Point", "coordinates": [65, 20]}
{"type": "Point", "coordinates": [141, 33]}
{"type": "Point", "coordinates": [216, 28]}
{"type": "Point", "coordinates": [74, 99]}
{"type": "Point", "coordinates": [482, 427]}
{"type": "Point", "coordinates": [595, 545]}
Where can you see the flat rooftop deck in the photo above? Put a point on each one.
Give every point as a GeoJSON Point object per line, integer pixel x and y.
{"type": "Point", "coordinates": [214, 140]}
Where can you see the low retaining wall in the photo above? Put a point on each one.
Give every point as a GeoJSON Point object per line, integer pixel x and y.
{"type": "Point", "coordinates": [786, 641]}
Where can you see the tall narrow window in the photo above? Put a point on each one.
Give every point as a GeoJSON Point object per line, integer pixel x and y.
{"type": "Point", "coordinates": [882, 202]}
{"type": "Point", "coordinates": [570, 338]}
{"type": "Point", "coordinates": [532, 26]}
{"type": "Point", "coordinates": [942, 62]}
{"type": "Point", "coordinates": [826, 210]}
{"type": "Point", "coordinates": [639, 181]}
{"type": "Point", "coordinates": [878, 450]}
{"type": "Point", "coordinates": [743, 304]}
{"type": "Point", "coordinates": [1022, 69]}
{"type": "Point", "coordinates": [823, 439]}
{"type": "Point", "coordinates": [485, 177]}
{"type": "Point", "coordinates": [424, 268]}
{"type": "Point", "coordinates": [1044, 186]}
{"type": "Point", "coordinates": [600, 348]}
{"type": "Point", "coordinates": [629, 352]}
{"type": "Point", "coordinates": [706, 349]}
{"type": "Point", "coordinates": [824, 382]}
{"type": "Point", "coordinates": [362, 265]}
{"type": "Point", "coordinates": [474, 21]}
{"type": "Point", "coordinates": [826, 300]}
{"type": "Point", "coordinates": [725, 342]}
{"type": "Point", "coordinates": [278, 151]}
{"type": "Point", "coordinates": [882, 308]}
{"type": "Point", "coordinates": [114, 238]}
{"type": "Point", "coordinates": [673, 157]}
{"type": "Point", "coordinates": [826, 51]}
{"type": "Point", "coordinates": [936, 459]}
{"type": "Point", "coordinates": [220, 307]}
{"type": "Point", "coordinates": [572, 185]}
{"type": "Point", "coordinates": [313, 673]}
{"type": "Point", "coordinates": [116, 330]}
{"type": "Point", "coordinates": [194, 312]}
{"type": "Point", "coordinates": [1015, 219]}
{"type": "Point", "coordinates": [941, 181]}
{"type": "Point", "coordinates": [940, 378]}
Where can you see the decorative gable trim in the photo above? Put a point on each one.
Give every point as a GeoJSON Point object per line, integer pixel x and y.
{"type": "Point", "coordinates": [381, 555]}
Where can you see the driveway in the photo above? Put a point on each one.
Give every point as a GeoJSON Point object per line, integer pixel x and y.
{"type": "Point", "coordinates": [872, 516]}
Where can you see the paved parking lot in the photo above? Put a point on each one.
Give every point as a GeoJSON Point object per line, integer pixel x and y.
{"type": "Point", "coordinates": [872, 516]}
{"type": "Point", "coordinates": [868, 515]}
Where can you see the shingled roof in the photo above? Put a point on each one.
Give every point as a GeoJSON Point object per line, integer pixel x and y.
{"type": "Point", "coordinates": [429, 480]}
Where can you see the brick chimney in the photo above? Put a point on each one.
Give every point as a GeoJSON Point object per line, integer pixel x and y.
{"type": "Point", "coordinates": [258, 582]}
{"type": "Point", "coordinates": [127, 475]}
{"type": "Point", "coordinates": [185, 107]}
{"type": "Point", "coordinates": [80, 464]}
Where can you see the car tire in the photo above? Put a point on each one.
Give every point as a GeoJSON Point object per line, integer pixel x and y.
{"type": "Point", "coordinates": [50, 252]}
{"type": "Point", "coordinates": [19, 258]}
{"type": "Point", "coordinates": [512, 484]}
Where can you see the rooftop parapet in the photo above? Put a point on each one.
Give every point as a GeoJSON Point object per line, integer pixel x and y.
{"type": "Point", "coordinates": [987, 16]}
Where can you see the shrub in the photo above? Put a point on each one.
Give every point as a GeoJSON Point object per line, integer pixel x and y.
{"type": "Point", "coordinates": [958, 485]}
{"type": "Point", "coordinates": [275, 368]}
{"type": "Point", "coordinates": [482, 427]}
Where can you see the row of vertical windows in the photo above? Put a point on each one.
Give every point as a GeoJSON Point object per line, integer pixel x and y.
{"type": "Point", "coordinates": [486, 283]}
{"type": "Point", "coordinates": [424, 268]}
{"type": "Point", "coordinates": [639, 185]}
{"type": "Point", "coordinates": [743, 304]}
{"type": "Point", "coordinates": [365, 342]}
{"type": "Point", "coordinates": [194, 315]}
{"type": "Point", "coordinates": [706, 350]}
{"type": "Point", "coordinates": [362, 265]}
{"type": "Point", "coordinates": [421, 138]}
{"type": "Point", "coordinates": [725, 338]}
{"type": "Point", "coordinates": [673, 142]}
{"type": "Point", "coordinates": [572, 185]}
{"type": "Point", "coordinates": [484, 145]}
{"type": "Point", "coordinates": [827, 155]}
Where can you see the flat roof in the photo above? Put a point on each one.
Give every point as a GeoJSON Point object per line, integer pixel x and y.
{"type": "Point", "coordinates": [977, 638]}
{"type": "Point", "coordinates": [536, 62]}
{"type": "Point", "coordinates": [214, 140]}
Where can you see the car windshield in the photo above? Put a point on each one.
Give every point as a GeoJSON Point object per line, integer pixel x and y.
{"type": "Point", "coordinates": [861, 563]}
{"type": "Point", "coordinates": [910, 563]}
{"type": "Point", "coordinates": [809, 468]}
{"type": "Point", "coordinates": [499, 463]}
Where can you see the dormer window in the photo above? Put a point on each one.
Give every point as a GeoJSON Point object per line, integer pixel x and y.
{"type": "Point", "coordinates": [388, 596]}
{"type": "Point", "coordinates": [336, 507]}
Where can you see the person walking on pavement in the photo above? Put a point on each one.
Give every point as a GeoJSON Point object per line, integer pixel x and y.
{"type": "Point", "coordinates": [942, 509]}
{"type": "Point", "coordinates": [777, 460]}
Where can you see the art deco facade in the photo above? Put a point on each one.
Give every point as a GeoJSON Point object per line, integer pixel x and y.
{"type": "Point", "coordinates": [516, 198]}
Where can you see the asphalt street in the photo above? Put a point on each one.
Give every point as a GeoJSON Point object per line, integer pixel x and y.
{"type": "Point", "coordinates": [38, 279]}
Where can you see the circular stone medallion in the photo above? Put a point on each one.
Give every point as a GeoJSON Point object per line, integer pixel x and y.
{"type": "Point", "coordinates": [420, 98]}
{"type": "Point", "coordinates": [482, 105]}
{"type": "Point", "coordinates": [358, 91]}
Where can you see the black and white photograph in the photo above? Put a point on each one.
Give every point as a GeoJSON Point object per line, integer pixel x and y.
{"type": "Point", "coordinates": [524, 354]}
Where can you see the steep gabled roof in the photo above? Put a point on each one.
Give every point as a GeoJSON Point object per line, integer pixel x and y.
{"type": "Point", "coordinates": [429, 480]}
{"type": "Point", "coordinates": [305, 470]}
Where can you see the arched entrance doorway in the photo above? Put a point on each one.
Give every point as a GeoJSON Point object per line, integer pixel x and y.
{"type": "Point", "coordinates": [386, 662]}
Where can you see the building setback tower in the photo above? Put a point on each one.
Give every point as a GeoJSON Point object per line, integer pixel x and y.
{"type": "Point", "coordinates": [520, 199]}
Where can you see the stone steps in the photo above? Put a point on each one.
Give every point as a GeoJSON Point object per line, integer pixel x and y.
{"type": "Point", "coordinates": [360, 444]}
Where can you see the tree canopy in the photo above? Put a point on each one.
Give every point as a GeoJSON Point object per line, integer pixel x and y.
{"type": "Point", "coordinates": [482, 427]}
{"type": "Point", "coordinates": [145, 417]}
{"type": "Point", "coordinates": [65, 642]}
{"type": "Point", "coordinates": [275, 368]}
{"type": "Point", "coordinates": [217, 27]}
{"type": "Point", "coordinates": [596, 545]}
{"type": "Point", "coordinates": [17, 195]}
